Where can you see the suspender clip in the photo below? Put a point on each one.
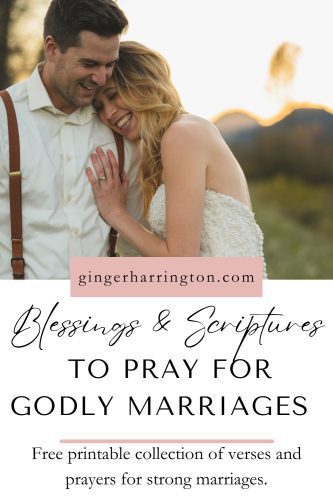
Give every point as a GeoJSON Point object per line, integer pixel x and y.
{"type": "Point", "coordinates": [18, 264]}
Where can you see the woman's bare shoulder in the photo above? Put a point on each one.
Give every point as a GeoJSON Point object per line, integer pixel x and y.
{"type": "Point", "coordinates": [188, 129]}
{"type": "Point", "coordinates": [184, 146]}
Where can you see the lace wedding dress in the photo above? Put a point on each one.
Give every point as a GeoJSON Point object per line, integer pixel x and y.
{"type": "Point", "coordinates": [229, 227]}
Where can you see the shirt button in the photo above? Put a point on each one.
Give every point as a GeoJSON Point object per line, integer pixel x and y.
{"type": "Point", "coordinates": [75, 231]}
{"type": "Point", "coordinates": [68, 157]}
{"type": "Point", "coordinates": [69, 198]}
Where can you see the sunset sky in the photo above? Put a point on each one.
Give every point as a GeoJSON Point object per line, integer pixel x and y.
{"type": "Point", "coordinates": [219, 50]}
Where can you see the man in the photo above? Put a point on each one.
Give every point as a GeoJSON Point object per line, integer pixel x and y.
{"type": "Point", "coordinates": [58, 130]}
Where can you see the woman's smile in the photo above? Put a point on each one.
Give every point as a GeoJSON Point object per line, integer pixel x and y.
{"type": "Point", "coordinates": [114, 113]}
{"type": "Point", "coordinates": [124, 122]}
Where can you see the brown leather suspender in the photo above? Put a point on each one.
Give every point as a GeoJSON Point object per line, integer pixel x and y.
{"type": "Point", "coordinates": [15, 194]}
{"type": "Point", "coordinates": [121, 160]}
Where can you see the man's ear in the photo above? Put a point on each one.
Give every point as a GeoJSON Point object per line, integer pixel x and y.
{"type": "Point", "coordinates": [51, 48]}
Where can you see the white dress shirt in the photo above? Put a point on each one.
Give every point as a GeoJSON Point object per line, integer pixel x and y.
{"type": "Point", "coordinates": [60, 218]}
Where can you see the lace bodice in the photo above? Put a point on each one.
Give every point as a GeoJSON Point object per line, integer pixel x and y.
{"type": "Point", "coordinates": [229, 227]}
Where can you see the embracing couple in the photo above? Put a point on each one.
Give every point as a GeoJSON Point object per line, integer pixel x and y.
{"type": "Point", "coordinates": [181, 191]}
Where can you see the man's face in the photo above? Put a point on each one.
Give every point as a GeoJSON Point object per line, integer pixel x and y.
{"type": "Point", "coordinates": [79, 72]}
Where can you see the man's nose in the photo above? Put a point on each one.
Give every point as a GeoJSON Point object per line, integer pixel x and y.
{"type": "Point", "coordinates": [101, 75]}
{"type": "Point", "coordinates": [109, 71]}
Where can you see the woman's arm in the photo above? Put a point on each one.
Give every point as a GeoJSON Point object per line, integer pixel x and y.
{"type": "Point", "coordinates": [184, 158]}
{"type": "Point", "coordinates": [184, 176]}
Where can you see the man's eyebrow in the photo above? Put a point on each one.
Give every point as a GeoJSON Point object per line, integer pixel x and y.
{"type": "Point", "coordinates": [96, 63]}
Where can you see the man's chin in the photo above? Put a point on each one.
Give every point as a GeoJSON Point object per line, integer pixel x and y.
{"type": "Point", "coordinates": [83, 102]}
{"type": "Point", "coordinates": [85, 96]}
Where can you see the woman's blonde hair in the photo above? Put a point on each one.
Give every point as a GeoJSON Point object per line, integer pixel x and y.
{"type": "Point", "coordinates": [142, 77]}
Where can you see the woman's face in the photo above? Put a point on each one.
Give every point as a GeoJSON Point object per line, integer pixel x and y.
{"type": "Point", "coordinates": [113, 112]}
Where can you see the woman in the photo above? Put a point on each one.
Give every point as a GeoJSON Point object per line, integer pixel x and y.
{"type": "Point", "coordinates": [195, 194]}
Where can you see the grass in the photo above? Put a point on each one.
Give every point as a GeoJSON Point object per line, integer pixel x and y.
{"type": "Point", "coordinates": [297, 222]}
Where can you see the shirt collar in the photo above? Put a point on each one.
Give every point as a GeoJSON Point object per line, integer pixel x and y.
{"type": "Point", "coordinates": [40, 99]}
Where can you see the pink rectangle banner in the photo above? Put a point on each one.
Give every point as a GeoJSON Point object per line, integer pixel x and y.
{"type": "Point", "coordinates": [166, 277]}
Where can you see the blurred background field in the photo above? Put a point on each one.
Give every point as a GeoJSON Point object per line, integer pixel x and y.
{"type": "Point", "coordinates": [261, 71]}
{"type": "Point", "coordinates": [289, 166]}
{"type": "Point", "coordinates": [297, 221]}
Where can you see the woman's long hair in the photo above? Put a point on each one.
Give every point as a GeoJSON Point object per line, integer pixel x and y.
{"type": "Point", "coordinates": [142, 77]}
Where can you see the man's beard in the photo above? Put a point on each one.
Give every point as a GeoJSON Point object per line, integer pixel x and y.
{"type": "Point", "coordinates": [71, 96]}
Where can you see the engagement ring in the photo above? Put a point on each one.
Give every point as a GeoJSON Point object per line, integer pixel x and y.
{"type": "Point", "coordinates": [102, 178]}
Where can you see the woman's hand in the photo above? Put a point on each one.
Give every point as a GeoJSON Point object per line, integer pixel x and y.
{"type": "Point", "coordinates": [110, 188]}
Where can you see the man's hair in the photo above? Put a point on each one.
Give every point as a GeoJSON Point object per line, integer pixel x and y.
{"type": "Point", "coordinates": [65, 19]}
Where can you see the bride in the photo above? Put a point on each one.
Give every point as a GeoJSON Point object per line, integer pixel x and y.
{"type": "Point", "coordinates": [196, 197]}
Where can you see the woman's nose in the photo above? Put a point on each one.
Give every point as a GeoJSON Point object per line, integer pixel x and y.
{"type": "Point", "coordinates": [110, 109]}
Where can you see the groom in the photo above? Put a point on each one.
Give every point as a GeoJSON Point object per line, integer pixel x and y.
{"type": "Point", "coordinates": [58, 129]}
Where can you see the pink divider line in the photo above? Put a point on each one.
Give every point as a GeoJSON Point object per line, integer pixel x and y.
{"type": "Point", "coordinates": [166, 441]}
{"type": "Point", "coordinates": [166, 277]}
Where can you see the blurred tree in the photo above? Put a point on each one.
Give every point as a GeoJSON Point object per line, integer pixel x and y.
{"type": "Point", "coordinates": [19, 45]}
{"type": "Point", "coordinates": [282, 70]}
{"type": "Point", "coordinates": [6, 9]}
